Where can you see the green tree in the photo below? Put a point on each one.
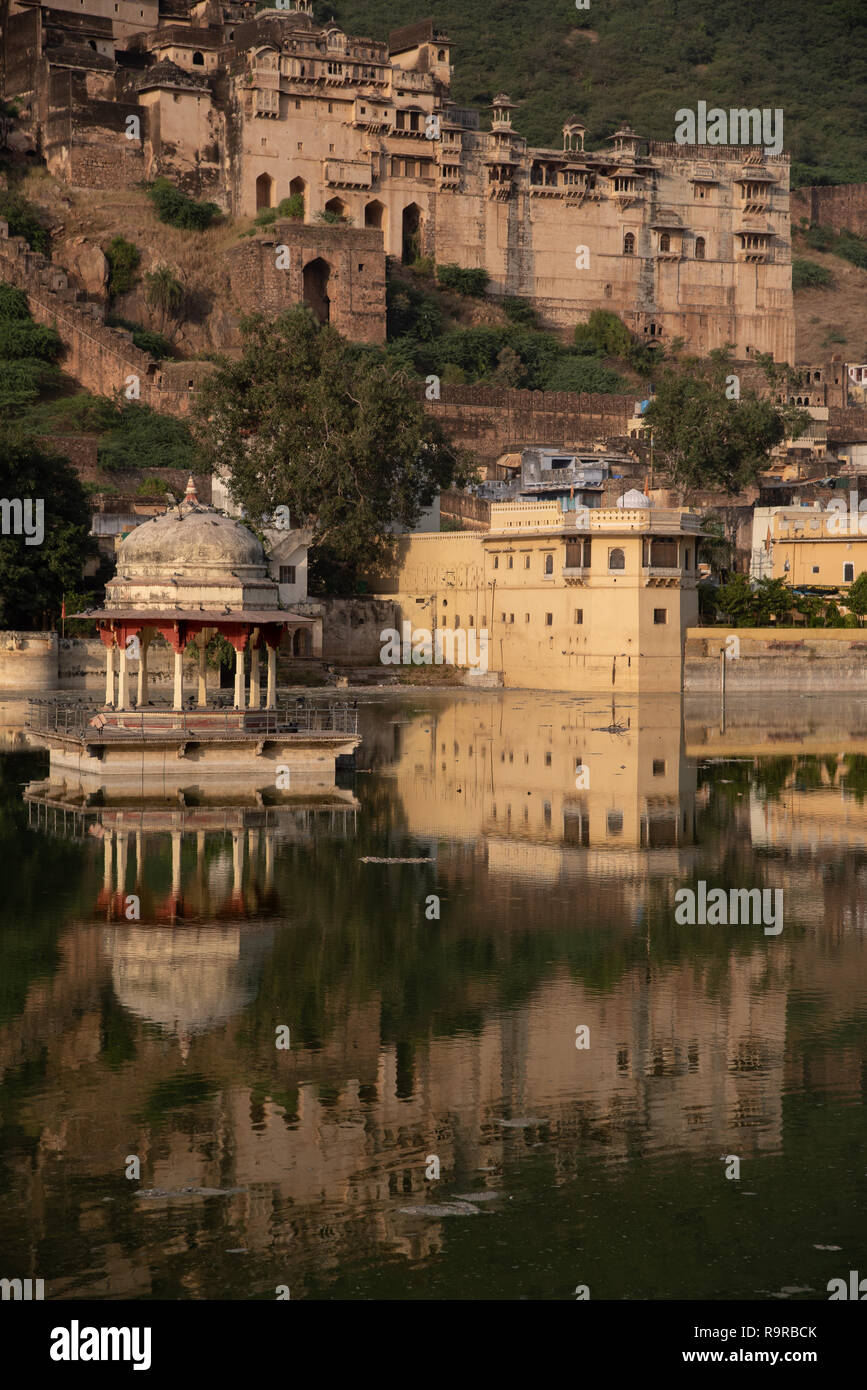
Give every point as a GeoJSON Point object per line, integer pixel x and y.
{"type": "Point", "coordinates": [33, 578]}
{"type": "Point", "coordinates": [123, 260]}
{"type": "Point", "coordinates": [164, 293]}
{"type": "Point", "coordinates": [856, 598]}
{"type": "Point", "coordinates": [332, 431]}
{"type": "Point", "coordinates": [704, 439]}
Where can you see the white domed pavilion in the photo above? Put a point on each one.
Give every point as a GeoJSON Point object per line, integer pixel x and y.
{"type": "Point", "coordinates": [186, 576]}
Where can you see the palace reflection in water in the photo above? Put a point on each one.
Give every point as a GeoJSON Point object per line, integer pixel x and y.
{"type": "Point", "coordinates": [557, 831]}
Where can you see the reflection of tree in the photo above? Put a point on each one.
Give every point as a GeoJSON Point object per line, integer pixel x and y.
{"type": "Point", "coordinates": [51, 882]}
{"type": "Point", "coordinates": [772, 776]}
{"type": "Point", "coordinates": [854, 779]}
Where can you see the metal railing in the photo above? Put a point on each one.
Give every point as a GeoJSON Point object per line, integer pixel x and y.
{"type": "Point", "coordinates": [66, 717]}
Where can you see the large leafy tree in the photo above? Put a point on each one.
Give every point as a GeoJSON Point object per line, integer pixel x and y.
{"type": "Point", "coordinates": [33, 578]}
{"type": "Point", "coordinates": [335, 432]}
{"type": "Point", "coordinates": [703, 437]}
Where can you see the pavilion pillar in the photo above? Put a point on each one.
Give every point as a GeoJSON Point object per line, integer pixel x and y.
{"type": "Point", "coordinates": [272, 678]}
{"type": "Point", "coordinates": [178, 699]}
{"type": "Point", "coordinates": [109, 676]}
{"type": "Point", "coordinates": [142, 694]}
{"type": "Point", "coordinates": [239, 678]}
{"type": "Point", "coordinates": [123, 680]}
{"type": "Point", "coordinates": [202, 692]}
{"type": "Point", "coordinates": [255, 691]}
{"type": "Point", "coordinates": [237, 863]}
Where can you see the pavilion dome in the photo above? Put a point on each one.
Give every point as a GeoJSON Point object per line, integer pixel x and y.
{"type": "Point", "coordinates": [193, 541]}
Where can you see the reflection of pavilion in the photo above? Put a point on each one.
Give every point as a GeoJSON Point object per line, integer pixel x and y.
{"type": "Point", "coordinates": [187, 577]}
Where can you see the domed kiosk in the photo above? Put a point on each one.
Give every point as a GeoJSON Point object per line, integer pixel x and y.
{"type": "Point", "coordinates": [185, 577]}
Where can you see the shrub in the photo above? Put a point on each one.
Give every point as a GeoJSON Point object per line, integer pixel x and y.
{"type": "Point", "coordinates": [820, 238]}
{"type": "Point", "coordinates": [423, 265]}
{"type": "Point", "coordinates": [123, 260]}
{"type": "Point", "coordinates": [520, 311]}
{"type": "Point", "coordinates": [265, 217]}
{"type": "Point", "coordinates": [852, 248]}
{"type": "Point", "coordinates": [23, 381]}
{"type": "Point", "coordinates": [807, 275]}
{"type": "Point", "coordinates": [583, 374]}
{"type": "Point", "coordinates": [607, 332]}
{"type": "Point", "coordinates": [164, 291]}
{"type": "Point", "coordinates": [292, 206]}
{"type": "Point", "coordinates": [24, 338]}
{"type": "Point", "coordinates": [13, 303]}
{"type": "Point", "coordinates": [150, 487]}
{"type": "Point", "coordinates": [453, 375]}
{"type": "Point", "coordinates": [144, 339]}
{"type": "Point", "coordinates": [140, 434]}
{"type": "Point", "coordinates": [176, 209]}
{"type": "Point", "coordinates": [24, 220]}
{"type": "Point", "coordinates": [334, 218]}
{"type": "Point", "coordinates": [463, 280]}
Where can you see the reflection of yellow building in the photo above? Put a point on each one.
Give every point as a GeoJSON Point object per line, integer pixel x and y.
{"type": "Point", "coordinates": [571, 600]}
{"type": "Point", "coordinates": [548, 772]}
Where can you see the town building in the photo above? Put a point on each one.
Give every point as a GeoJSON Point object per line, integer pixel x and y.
{"type": "Point", "coordinates": [571, 600]}
{"type": "Point", "coordinates": [809, 547]}
{"type": "Point", "coordinates": [249, 108]}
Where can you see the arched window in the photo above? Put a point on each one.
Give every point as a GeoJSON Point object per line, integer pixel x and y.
{"type": "Point", "coordinates": [629, 244]}
{"type": "Point", "coordinates": [699, 248]}
{"type": "Point", "coordinates": [616, 559]}
{"type": "Point", "coordinates": [549, 564]}
{"type": "Point", "coordinates": [441, 56]}
{"type": "Point", "coordinates": [198, 60]}
{"type": "Point", "coordinates": [264, 191]}
{"type": "Point", "coordinates": [664, 242]}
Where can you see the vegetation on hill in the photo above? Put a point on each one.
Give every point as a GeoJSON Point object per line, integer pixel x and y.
{"type": "Point", "coordinates": [333, 431]}
{"type": "Point", "coordinates": [506, 354]}
{"type": "Point", "coordinates": [24, 219]}
{"type": "Point", "coordinates": [177, 209]}
{"type": "Point", "coordinates": [641, 63]}
{"type": "Point", "coordinates": [31, 384]}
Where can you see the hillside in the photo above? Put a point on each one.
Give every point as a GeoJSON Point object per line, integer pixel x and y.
{"type": "Point", "coordinates": [621, 61]}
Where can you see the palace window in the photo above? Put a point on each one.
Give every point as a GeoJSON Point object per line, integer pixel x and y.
{"type": "Point", "coordinates": [287, 574]}
{"type": "Point", "coordinates": [664, 242]}
{"type": "Point", "coordinates": [699, 248]}
{"type": "Point", "coordinates": [659, 767]}
{"type": "Point", "coordinates": [629, 244]}
{"type": "Point", "coordinates": [616, 559]}
{"type": "Point", "coordinates": [660, 616]}
{"type": "Point", "coordinates": [511, 561]}
{"type": "Point", "coordinates": [579, 616]}
{"type": "Point", "coordinates": [848, 573]}
{"type": "Point", "coordinates": [549, 619]}
{"type": "Point", "coordinates": [549, 564]}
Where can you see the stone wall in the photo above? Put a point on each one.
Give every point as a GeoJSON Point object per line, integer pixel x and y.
{"type": "Point", "coordinates": [28, 661]}
{"type": "Point", "coordinates": [795, 660]}
{"type": "Point", "coordinates": [490, 421]}
{"type": "Point", "coordinates": [847, 426]}
{"type": "Point", "coordinates": [346, 264]}
{"type": "Point", "coordinates": [350, 627]}
{"type": "Point", "coordinates": [102, 359]}
{"type": "Point", "coordinates": [842, 206]}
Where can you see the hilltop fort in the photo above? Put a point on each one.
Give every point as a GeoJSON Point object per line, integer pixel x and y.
{"type": "Point", "coordinates": [247, 108]}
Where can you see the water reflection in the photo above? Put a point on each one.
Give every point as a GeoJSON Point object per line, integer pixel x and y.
{"type": "Point", "coordinates": [454, 1036]}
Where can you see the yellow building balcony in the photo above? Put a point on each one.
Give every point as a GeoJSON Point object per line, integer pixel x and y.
{"type": "Point", "coordinates": [348, 173]}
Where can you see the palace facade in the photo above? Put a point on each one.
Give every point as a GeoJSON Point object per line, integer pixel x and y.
{"type": "Point", "coordinates": [249, 107]}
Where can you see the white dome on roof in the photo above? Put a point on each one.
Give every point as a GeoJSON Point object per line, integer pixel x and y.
{"type": "Point", "coordinates": [633, 498]}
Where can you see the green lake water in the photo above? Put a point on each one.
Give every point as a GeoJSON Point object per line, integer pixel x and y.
{"type": "Point", "coordinates": [433, 1010]}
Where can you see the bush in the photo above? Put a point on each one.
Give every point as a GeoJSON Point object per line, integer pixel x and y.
{"type": "Point", "coordinates": [150, 487]}
{"type": "Point", "coordinates": [820, 238]}
{"type": "Point", "coordinates": [145, 340]}
{"type": "Point", "coordinates": [24, 338]}
{"type": "Point", "coordinates": [423, 265]}
{"type": "Point", "coordinates": [520, 311]}
{"type": "Point", "coordinates": [607, 333]}
{"type": "Point", "coordinates": [176, 209]}
{"type": "Point", "coordinates": [292, 206]}
{"type": "Point", "coordinates": [265, 217]}
{"type": "Point", "coordinates": [584, 374]}
{"type": "Point", "coordinates": [24, 220]}
{"type": "Point", "coordinates": [141, 434]}
{"type": "Point", "coordinates": [334, 218]}
{"type": "Point", "coordinates": [13, 303]}
{"type": "Point", "coordinates": [123, 260]}
{"type": "Point", "coordinates": [852, 248]}
{"type": "Point", "coordinates": [23, 381]}
{"type": "Point", "coordinates": [807, 275]}
{"type": "Point", "coordinates": [463, 280]}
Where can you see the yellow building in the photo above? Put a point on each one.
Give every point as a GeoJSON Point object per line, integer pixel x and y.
{"type": "Point", "coordinates": [827, 549]}
{"type": "Point", "coordinates": [571, 600]}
